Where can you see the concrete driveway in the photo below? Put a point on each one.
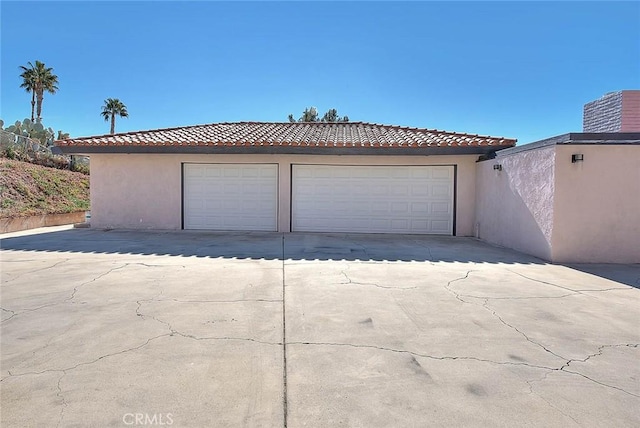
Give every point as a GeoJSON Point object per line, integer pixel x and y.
{"type": "Point", "coordinates": [120, 328]}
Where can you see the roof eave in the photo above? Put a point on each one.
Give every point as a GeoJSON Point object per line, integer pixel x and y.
{"type": "Point", "coordinates": [283, 150]}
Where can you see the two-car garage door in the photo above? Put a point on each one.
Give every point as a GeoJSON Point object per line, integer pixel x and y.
{"type": "Point", "coordinates": [376, 199]}
{"type": "Point", "coordinates": [324, 198]}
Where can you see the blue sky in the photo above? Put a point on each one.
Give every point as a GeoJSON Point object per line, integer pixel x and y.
{"type": "Point", "coordinates": [515, 69]}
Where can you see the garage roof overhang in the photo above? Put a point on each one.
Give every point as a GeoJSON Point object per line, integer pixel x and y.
{"type": "Point", "coordinates": [346, 138]}
{"type": "Point", "coordinates": [275, 150]}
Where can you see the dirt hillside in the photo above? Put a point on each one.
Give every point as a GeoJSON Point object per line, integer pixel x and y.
{"type": "Point", "coordinates": [27, 189]}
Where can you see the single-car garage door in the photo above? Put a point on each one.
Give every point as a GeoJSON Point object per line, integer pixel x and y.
{"type": "Point", "coordinates": [376, 199]}
{"type": "Point", "coordinates": [230, 196]}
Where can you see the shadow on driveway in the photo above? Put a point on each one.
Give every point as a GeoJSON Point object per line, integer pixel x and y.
{"type": "Point", "coordinates": [270, 246]}
{"type": "Point", "coordinates": [624, 274]}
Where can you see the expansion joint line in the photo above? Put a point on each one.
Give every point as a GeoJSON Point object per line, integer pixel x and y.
{"type": "Point", "coordinates": [284, 342]}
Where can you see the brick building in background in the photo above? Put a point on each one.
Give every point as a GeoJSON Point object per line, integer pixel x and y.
{"type": "Point", "coordinates": [614, 112]}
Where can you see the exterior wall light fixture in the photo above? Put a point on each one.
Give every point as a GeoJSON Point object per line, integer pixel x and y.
{"type": "Point", "coordinates": [497, 167]}
{"type": "Point", "coordinates": [577, 158]}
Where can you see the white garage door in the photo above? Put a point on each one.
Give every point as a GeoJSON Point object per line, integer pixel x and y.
{"type": "Point", "coordinates": [230, 196]}
{"type": "Point", "coordinates": [377, 199]}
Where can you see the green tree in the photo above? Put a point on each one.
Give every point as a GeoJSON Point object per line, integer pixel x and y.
{"type": "Point", "coordinates": [332, 116]}
{"type": "Point", "coordinates": [29, 85]}
{"type": "Point", "coordinates": [311, 115]}
{"type": "Point", "coordinates": [37, 79]}
{"type": "Point", "coordinates": [113, 107]}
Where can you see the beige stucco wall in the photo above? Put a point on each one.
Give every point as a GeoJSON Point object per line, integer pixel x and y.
{"type": "Point", "coordinates": [143, 191]}
{"type": "Point", "coordinates": [544, 205]}
{"type": "Point", "coordinates": [135, 192]}
{"type": "Point", "coordinates": [514, 207]}
{"type": "Point", "coordinates": [597, 204]}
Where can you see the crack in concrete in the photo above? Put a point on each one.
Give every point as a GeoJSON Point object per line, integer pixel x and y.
{"type": "Point", "coordinates": [418, 243]}
{"type": "Point", "coordinates": [531, 391]}
{"type": "Point", "coordinates": [602, 383]}
{"type": "Point", "coordinates": [371, 283]}
{"type": "Point", "coordinates": [150, 265]}
{"type": "Point", "coordinates": [597, 354]}
{"type": "Point", "coordinates": [516, 298]}
{"type": "Point", "coordinates": [86, 363]}
{"type": "Point", "coordinates": [242, 339]}
{"type": "Point", "coordinates": [35, 270]}
{"type": "Point", "coordinates": [364, 249]}
{"type": "Point", "coordinates": [568, 361]}
{"type": "Point", "coordinates": [224, 301]}
{"type": "Point", "coordinates": [573, 293]}
{"type": "Point", "coordinates": [22, 311]}
{"type": "Point", "coordinates": [173, 331]}
{"type": "Point", "coordinates": [454, 358]}
{"type": "Point", "coordinates": [485, 305]}
{"type": "Point", "coordinates": [76, 288]}
{"type": "Point", "coordinates": [68, 299]}
{"type": "Point", "coordinates": [432, 357]}
{"type": "Point", "coordinates": [13, 314]}
{"type": "Point", "coordinates": [459, 295]}
{"type": "Point", "coordinates": [153, 299]}
{"type": "Point", "coordinates": [455, 293]}
{"type": "Point", "coordinates": [64, 401]}
{"type": "Point", "coordinates": [588, 357]}
{"type": "Point", "coordinates": [495, 314]}
{"type": "Point", "coordinates": [543, 282]}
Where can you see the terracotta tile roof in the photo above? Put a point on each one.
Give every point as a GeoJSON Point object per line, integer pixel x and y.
{"type": "Point", "coordinates": [305, 134]}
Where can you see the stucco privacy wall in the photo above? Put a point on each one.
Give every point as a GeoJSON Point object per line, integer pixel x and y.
{"type": "Point", "coordinates": [514, 206]}
{"type": "Point", "coordinates": [143, 191]}
{"type": "Point", "coordinates": [597, 204]}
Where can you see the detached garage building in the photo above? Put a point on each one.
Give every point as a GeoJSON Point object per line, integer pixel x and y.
{"type": "Point", "coordinates": [286, 177]}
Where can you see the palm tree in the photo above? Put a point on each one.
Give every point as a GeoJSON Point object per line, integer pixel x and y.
{"type": "Point", "coordinates": [29, 84]}
{"type": "Point", "coordinates": [37, 79]}
{"type": "Point", "coordinates": [113, 107]}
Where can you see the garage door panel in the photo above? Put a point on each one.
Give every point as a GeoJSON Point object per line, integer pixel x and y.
{"type": "Point", "coordinates": [400, 224]}
{"type": "Point", "coordinates": [402, 190]}
{"type": "Point", "coordinates": [441, 191]}
{"type": "Point", "coordinates": [389, 199]}
{"type": "Point", "coordinates": [421, 191]}
{"type": "Point", "coordinates": [421, 208]}
{"type": "Point", "coordinates": [420, 174]}
{"type": "Point", "coordinates": [441, 210]}
{"type": "Point", "coordinates": [440, 226]}
{"type": "Point", "coordinates": [401, 208]}
{"type": "Point", "coordinates": [230, 196]}
{"type": "Point", "coordinates": [419, 224]}
{"type": "Point", "coordinates": [444, 173]}
{"type": "Point", "coordinates": [212, 174]}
